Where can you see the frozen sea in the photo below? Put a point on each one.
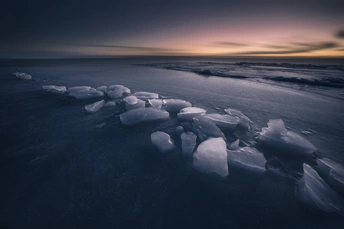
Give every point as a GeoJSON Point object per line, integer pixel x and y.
{"type": "Point", "coordinates": [62, 167]}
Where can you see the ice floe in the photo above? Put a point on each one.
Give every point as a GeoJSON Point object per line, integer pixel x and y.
{"type": "Point", "coordinates": [84, 94]}
{"type": "Point", "coordinates": [146, 95]}
{"type": "Point", "coordinates": [79, 88]}
{"type": "Point", "coordinates": [187, 114]}
{"type": "Point", "coordinates": [110, 104]}
{"type": "Point", "coordinates": [139, 115]}
{"type": "Point", "coordinates": [244, 120]}
{"type": "Point", "coordinates": [131, 102]}
{"type": "Point", "coordinates": [119, 87]}
{"type": "Point", "coordinates": [204, 129]}
{"type": "Point", "coordinates": [211, 157]}
{"type": "Point", "coordinates": [156, 103]}
{"type": "Point", "coordinates": [332, 173]}
{"type": "Point", "coordinates": [234, 145]}
{"type": "Point", "coordinates": [179, 130]}
{"type": "Point", "coordinates": [188, 143]}
{"type": "Point", "coordinates": [279, 140]}
{"type": "Point", "coordinates": [22, 75]}
{"type": "Point", "coordinates": [314, 192]}
{"type": "Point", "coordinates": [55, 89]}
{"type": "Point", "coordinates": [162, 141]}
{"type": "Point", "coordinates": [175, 105]}
{"type": "Point", "coordinates": [224, 121]}
{"type": "Point", "coordinates": [94, 107]}
{"type": "Point", "coordinates": [248, 159]}
{"type": "Point", "coordinates": [116, 91]}
{"type": "Point", "coordinates": [102, 88]}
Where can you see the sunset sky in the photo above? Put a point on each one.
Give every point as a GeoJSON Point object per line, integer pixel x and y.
{"type": "Point", "coordinates": [77, 28]}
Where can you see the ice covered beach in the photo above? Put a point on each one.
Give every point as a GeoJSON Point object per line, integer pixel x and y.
{"type": "Point", "coordinates": [155, 147]}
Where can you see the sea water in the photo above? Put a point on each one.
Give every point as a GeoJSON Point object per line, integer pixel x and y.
{"type": "Point", "coordinates": [64, 167]}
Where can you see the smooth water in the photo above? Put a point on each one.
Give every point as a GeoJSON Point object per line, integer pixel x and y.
{"type": "Point", "coordinates": [62, 167]}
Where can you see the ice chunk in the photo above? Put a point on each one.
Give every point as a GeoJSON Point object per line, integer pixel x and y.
{"type": "Point", "coordinates": [179, 130]}
{"type": "Point", "coordinates": [79, 88]}
{"type": "Point", "coordinates": [211, 157]}
{"type": "Point", "coordinates": [187, 114]}
{"type": "Point", "coordinates": [100, 125]}
{"type": "Point", "coordinates": [156, 103]}
{"type": "Point", "coordinates": [116, 91]}
{"type": "Point", "coordinates": [86, 94]}
{"type": "Point", "coordinates": [244, 120]}
{"type": "Point", "coordinates": [94, 107]}
{"type": "Point", "coordinates": [48, 87]}
{"type": "Point", "coordinates": [204, 128]}
{"type": "Point", "coordinates": [188, 143]}
{"type": "Point", "coordinates": [277, 138]}
{"type": "Point", "coordinates": [224, 121]}
{"type": "Point", "coordinates": [117, 86]}
{"type": "Point", "coordinates": [314, 192]}
{"type": "Point", "coordinates": [332, 173]}
{"type": "Point", "coordinates": [114, 94]}
{"type": "Point", "coordinates": [59, 90]}
{"type": "Point", "coordinates": [248, 159]}
{"type": "Point", "coordinates": [22, 75]}
{"type": "Point", "coordinates": [55, 89]}
{"type": "Point", "coordinates": [139, 115]}
{"type": "Point", "coordinates": [110, 104]}
{"type": "Point", "coordinates": [175, 105]}
{"type": "Point", "coordinates": [102, 88]}
{"type": "Point", "coordinates": [162, 141]}
{"type": "Point", "coordinates": [146, 95]}
{"type": "Point", "coordinates": [131, 102]}
{"type": "Point", "coordinates": [234, 145]}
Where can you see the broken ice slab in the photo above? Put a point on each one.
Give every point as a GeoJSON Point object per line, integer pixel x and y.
{"type": "Point", "coordinates": [179, 130]}
{"type": "Point", "coordinates": [94, 107]}
{"type": "Point", "coordinates": [146, 95]}
{"type": "Point", "coordinates": [244, 120]}
{"type": "Point", "coordinates": [131, 102]}
{"type": "Point", "coordinates": [55, 89]}
{"type": "Point", "coordinates": [211, 157]}
{"type": "Point", "coordinates": [110, 104]}
{"type": "Point", "coordinates": [162, 141]}
{"type": "Point", "coordinates": [188, 143]}
{"type": "Point", "coordinates": [314, 192]}
{"type": "Point", "coordinates": [140, 115]}
{"type": "Point", "coordinates": [102, 88]}
{"type": "Point", "coordinates": [84, 94]}
{"type": "Point", "coordinates": [22, 75]}
{"type": "Point", "coordinates": [188, 113]}
{"type": "Point", "coordinates": [156, 103]}
{"type": "Point", "coordinates": [234, 145]}
{"type": "Point", "coordinates": [278, 139]}
{"type": "Point", "coordinates": [332, 172]}
{"type": "Point", "coordinates": [175, 105]}
{"type": "Point", "coordinates": [116, 91]}
{"type": "Point", "coordinates": [79, 88]}
{"type": "Point", "coordinates": [223, 121]}
{"type": "Point", "coordinates": [204, 129]}
{"type": "Point", "coordinates": [248, 159]}
{"type": "Point", "coordinates": [118, 86]}
{"type": "Point", "coordinates": [48, 87]}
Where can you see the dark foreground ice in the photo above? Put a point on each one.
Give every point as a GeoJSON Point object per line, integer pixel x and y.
{"type": "Point", "coordinates": [152, 148]}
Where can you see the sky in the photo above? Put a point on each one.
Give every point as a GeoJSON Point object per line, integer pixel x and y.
{"type": "Point", "coordinates": [100, 28]}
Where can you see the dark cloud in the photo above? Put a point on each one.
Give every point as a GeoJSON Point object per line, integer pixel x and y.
{"type": "Point", "coordinates": [137, 48]}
{"type": "Point", "coordinates": [226, 43]}
{"type": "Point", "coordinates": [295, 48]}
{"type": "Point", "coordinates": [340, 34]}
